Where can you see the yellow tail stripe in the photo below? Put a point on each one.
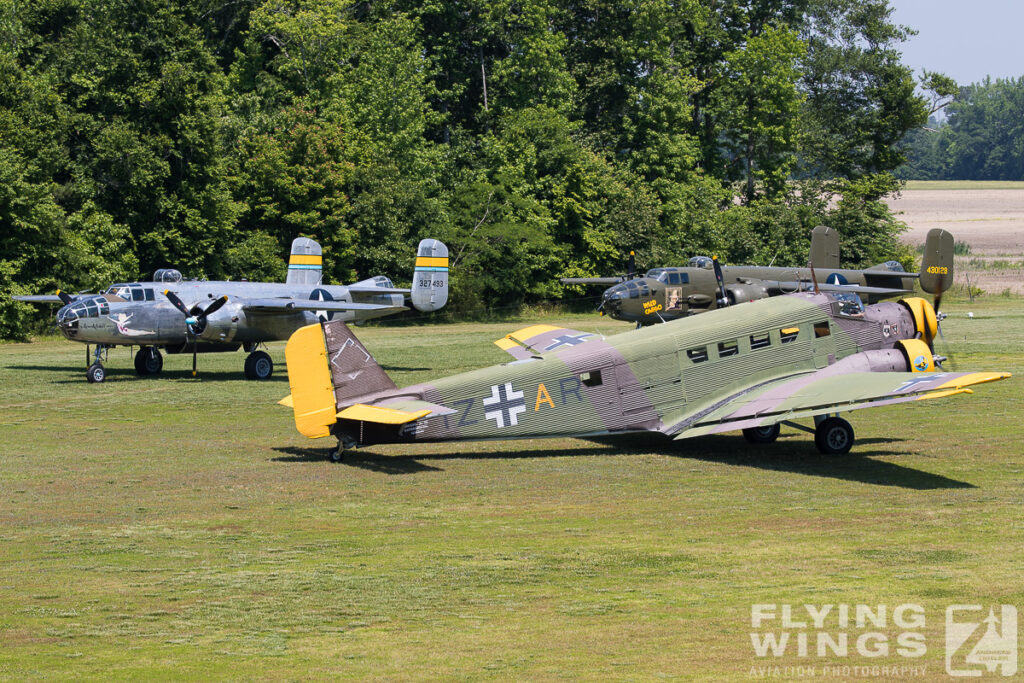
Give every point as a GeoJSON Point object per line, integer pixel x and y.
{"type": "Point", "coordinates": [437, 261]}
{"type": "Point", "coordinates": [306, 260]}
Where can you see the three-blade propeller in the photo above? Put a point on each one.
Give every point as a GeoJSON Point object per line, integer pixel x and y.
{"type": "Point", "coordinates": [195, 318]}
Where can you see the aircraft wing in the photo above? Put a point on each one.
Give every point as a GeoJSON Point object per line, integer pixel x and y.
{"type": "Point", "coordinates": [377, 290]}
{"type": "Point", "coordinates": [286, 305]}
{"type": "Point", "coordinates": [806, 286]}
{"type": "Point", "coordinates": [38, 298]}
{"type": "Point", "coordinates": [591, 280]}
{"type": "Point", "coordinates": [535, 340]}
{"type": "Point", "coordinates": [817, 393]}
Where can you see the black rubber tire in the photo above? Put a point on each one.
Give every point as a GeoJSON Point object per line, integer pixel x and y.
{"type": "Point", "coordinates": [95, 374]}
{"type": "Point", "coordinates": [258, 366]}
{"type": "Point", "coordinates": [148, 361]}
{"type": "Point", "coordinates": [833, 436]}
{"type": "Point", "coordinates": [761, 435]}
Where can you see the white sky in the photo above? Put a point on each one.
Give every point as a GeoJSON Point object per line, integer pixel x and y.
{"type": "Point", "coordinates": [964, 39]}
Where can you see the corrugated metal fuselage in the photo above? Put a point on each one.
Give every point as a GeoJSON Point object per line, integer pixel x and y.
{"type": "Point", "coordinates": [637, 380]}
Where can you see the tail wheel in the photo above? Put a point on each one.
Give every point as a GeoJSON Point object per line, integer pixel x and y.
{"type": "Point", "coordinates": [761, 435]}
{"type": "Point", "coordinates": [258, 365]}
{"type": "Point", "coordinates": [833, 436]}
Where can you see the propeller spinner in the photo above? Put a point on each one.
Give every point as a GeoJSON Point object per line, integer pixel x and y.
{"type": "Point", "coordinates": [195, 318]}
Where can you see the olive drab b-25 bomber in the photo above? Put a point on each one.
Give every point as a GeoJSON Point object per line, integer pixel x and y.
{"type": "Point", "coordinates": [664, 294]}
{"type": "Point", "coordinates": [808, 355]}
{"type": "Point", "coordinates": [197, 316]}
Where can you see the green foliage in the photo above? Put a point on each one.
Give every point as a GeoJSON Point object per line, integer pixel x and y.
{"type": "Point", "coordinates": [540, 138]}
{"type": "Point", "coordinates": [982, 137]}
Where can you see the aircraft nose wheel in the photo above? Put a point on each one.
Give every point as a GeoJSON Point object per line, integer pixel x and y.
{"type": "Point", "coordinates": [258, 365]}
{"type": "Point", "coordinates": [761, 435]}
{"type": "Point", "coordinates": [148, 361]}
{"type": "Point", "coordinates": [833, 436]}
{"type": "Point", "coordinates": [95, 374]}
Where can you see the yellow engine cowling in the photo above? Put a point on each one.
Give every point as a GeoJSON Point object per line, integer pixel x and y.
{"type": "Point", "coordinates": [919, 356]}
{"type": "Point", "coordinates": [924, 316]}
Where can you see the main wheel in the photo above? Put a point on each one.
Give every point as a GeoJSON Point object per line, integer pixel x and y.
{"type": "Point", "coordinates": [833, 436]}
{"type": "Point", "coordinates": [761, 435]}
{"type": "Point", "coordinates": [258, 365]}
{"type": "Point", "coordinates": [148, 361]}
{"type": "Point", "coordinates": [95, 374]}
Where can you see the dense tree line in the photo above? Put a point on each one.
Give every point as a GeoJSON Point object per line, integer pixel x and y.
{"type": "Point", "coordinates": [981, 137]}
{"type": "Point", "coordinates": [538, 138]}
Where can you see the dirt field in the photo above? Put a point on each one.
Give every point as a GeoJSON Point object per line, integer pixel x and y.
{"type": "Point", "coordinates": [991, 221]}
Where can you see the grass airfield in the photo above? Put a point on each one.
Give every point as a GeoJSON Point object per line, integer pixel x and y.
{"type": "Point", "coordinates": [181, 528]}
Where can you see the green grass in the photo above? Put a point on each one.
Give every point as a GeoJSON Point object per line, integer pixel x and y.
{"type": "Point", "coordinates": [181, 528]}
{"type": "Point", "coordinates": [964, 185]}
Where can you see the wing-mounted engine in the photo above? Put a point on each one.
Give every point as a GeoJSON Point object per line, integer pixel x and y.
{"type": "Point", "coordinates": [742, 292]}
{"type": "Point", "coordinates": [222, 326]}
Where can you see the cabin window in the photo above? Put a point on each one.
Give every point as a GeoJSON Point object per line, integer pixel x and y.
{"type": "Point", "coordinates": [698, 355]}
{"type": "Point", "coordinates": [822, 329]}
{"type": "Point", "coordinates": [137, 295]}
{"type": "Point", "coordinates": [591, 379]}
{"type": "Point", "coordinates": [760, 341]}
{"type": "Point", "coordinates": [673, 278]}
{"type": "Point", "coordinates": [789, 334]}
{"type": "Point", "coordinates": [149, 295]}
{"type": "Point", "coordinates": [729, 348]}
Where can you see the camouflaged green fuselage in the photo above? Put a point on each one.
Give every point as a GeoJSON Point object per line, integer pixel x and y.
{"type": "Point", "coordinates": [642, 380]}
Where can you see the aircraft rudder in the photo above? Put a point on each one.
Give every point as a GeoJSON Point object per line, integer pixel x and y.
{"type": "Point", "coordinates": [430, 276]}
{"type": "Point", "coordinates": [937, 262]}
{"type": "Point", "coordinates": [825, 247]}
{"type": "Point", "coordinates": [305, 263]}
{"type": "Point", "coordinates": [328, 368]}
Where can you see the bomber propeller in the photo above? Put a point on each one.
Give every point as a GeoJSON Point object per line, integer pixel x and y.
{"type": "Point", "coordinates": [723, 297]}
{"type": "Point", "coordinates": [195, 318]}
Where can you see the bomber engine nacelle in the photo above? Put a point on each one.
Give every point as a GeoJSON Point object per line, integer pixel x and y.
{"type": "Point", "coordinates": [739, 293]}
{"type": "Point", "coordinates": [223, 325]}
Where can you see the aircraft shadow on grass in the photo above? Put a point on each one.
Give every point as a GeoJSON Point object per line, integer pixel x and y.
{"type": "Point", "coordinates": [129, 373]}
{"type": "Point", "coordinates": [798, 456]}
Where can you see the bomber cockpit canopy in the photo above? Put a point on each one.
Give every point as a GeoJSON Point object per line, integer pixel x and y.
{"type": "Point", "coordinates": [382, 281]}
{"type": "Point", "coordinates": [701, 262]}
{"type": "Point", "coordinates": [167, 275]}
{"type": "Point", "coordinates": [131, 291]}
{"type": "Point", "coordinates": [669, 276]}
{"type": "Point", "coordinates": [90, 307]}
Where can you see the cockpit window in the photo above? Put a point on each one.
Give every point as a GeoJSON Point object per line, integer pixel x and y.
{"type": "Point", "coordinates": [137, 294]}
{"type": "Point", "coordinates": [848, 304]}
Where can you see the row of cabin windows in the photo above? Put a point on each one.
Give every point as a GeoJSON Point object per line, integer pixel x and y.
{"type": "Point", "coordinates": [727, 348]}
{"type": "Point", "coordinates": [757, 341]}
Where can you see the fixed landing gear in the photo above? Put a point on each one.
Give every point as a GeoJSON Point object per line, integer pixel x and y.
{"type": "Point", "coordinates": [345, 443]}
{"type": "Point", "coordinates": [761, 435]}
{"type": "Point", "coordinates": [833, 436]}
{"type": "Point", "coordinates": [258, 365]}
{"type": "Point", "coordinates": [148, 361]}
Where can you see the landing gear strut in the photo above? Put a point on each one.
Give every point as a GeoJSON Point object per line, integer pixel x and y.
{"type": "Point", "coordinates": [96, 374]}
{"type": "Point", "coordinates": [148, 361]}
{"type": "Point", "coordinates": [258, 365]}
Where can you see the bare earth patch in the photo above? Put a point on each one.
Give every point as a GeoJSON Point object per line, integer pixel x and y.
{"type": "Point", "coordinates": [990, 221]}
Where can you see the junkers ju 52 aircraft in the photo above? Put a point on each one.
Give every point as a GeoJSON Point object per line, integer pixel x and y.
{"type": "Point", "coordinates": [197, 316]}
{"type": "Point", "coordinates": [668, 293]}
{"type": "Point", "coordinates": [750, 368]}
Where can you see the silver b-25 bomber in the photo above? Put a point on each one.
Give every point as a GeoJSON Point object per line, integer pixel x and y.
{"type": "Point", "coordinates": [196, 316]}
